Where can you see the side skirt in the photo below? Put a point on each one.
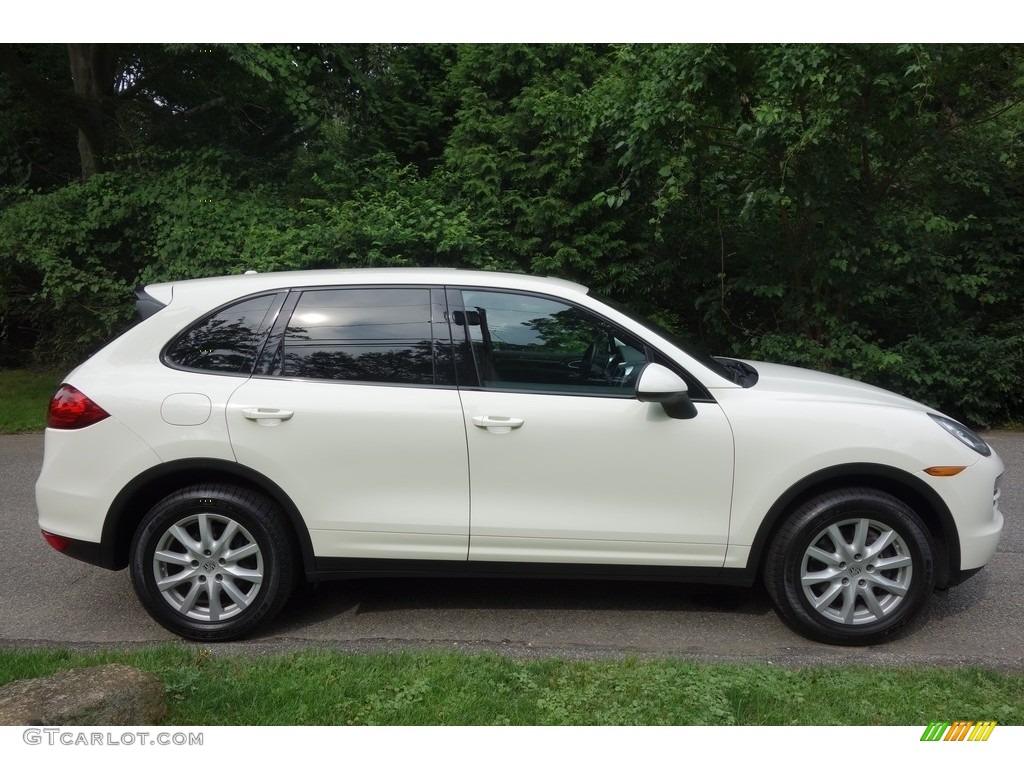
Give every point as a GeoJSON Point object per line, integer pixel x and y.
{"type": "Point", "coordinates": [332, 568]}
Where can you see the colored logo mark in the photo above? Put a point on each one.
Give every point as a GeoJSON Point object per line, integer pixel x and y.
{"type": "Point", "coordinates": [960, 730]}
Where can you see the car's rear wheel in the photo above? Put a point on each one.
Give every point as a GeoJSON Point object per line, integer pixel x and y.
{"type": "Point", "coordinates": [851, 567]}
{"type": "Point", "coordinates": [211, 562]}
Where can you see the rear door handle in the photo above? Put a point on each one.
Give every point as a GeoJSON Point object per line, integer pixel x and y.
{"type": "Point", "coordinates": [267, 417]}
{"type": "Point", "coordinates": [498, 424]}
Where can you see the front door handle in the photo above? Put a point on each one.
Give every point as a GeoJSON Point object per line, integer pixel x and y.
{"type": "Point", "coordinates": [267, 417]}
{"type": "Point", "coordinates": [497, 424]}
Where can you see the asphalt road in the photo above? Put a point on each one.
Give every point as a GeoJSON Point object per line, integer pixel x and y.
{"type": "Point", "coordinates": [47, 599]}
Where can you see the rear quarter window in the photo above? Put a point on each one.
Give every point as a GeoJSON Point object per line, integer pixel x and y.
{"type": "Point", "coordinates": [227, 341]}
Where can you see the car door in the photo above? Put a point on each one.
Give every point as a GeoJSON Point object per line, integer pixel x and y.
{"type": "Point", "coordinates": [566, 465]}
{"type": "Point", "coordinates": [354, 412]}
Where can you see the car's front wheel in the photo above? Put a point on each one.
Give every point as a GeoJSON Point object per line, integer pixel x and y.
{"type": "Point", "coordinates": [211, 562]}
{"type": "Point", "coordinates": [851, 567]}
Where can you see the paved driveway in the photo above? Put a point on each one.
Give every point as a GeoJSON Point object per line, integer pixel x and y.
{"type": "Point", "coordinates": [48, 599]}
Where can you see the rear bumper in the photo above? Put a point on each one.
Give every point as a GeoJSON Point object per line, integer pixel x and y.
{"type": "Point", "coordinates": [83, 471]}
{"type": "Point", "coordinates": [87, 551]}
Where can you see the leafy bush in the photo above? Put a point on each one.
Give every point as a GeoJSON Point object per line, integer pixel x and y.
{"type": "Point", "coordinates": [849, 208]}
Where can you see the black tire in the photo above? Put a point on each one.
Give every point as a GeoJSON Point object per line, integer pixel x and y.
{"type": "Point", "coordinates": [851, 567]}
{"type": "Point", "coordinates": [229, 557]}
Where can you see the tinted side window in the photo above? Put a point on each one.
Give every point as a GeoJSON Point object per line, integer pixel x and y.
{"type": "Point", "coordinates": [227, 341]}
{"type": "Point", "coordinates": [380, 335]}
{"type": "Point", "coordinates": [532, 343]}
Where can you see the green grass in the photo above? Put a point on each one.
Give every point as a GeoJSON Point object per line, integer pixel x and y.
{"type": "Point", "coordinates": [23, 398]}
{"type": "Point", "coordinates": [433, 688]}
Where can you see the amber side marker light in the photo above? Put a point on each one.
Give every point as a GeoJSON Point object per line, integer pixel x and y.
{"type": "Point", "coordinates": [944, 471]}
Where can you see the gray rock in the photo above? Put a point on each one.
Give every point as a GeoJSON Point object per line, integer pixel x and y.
{"type": "Point", "coordinates": [112, 694]}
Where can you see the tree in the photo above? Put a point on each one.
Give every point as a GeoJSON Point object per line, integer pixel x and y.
{"type": "Point", "coordinates": [93, 69]}
{"type": "Point", "coordinates": [820, 202]}
{"type": "Point", "coordinates": [851, 208]}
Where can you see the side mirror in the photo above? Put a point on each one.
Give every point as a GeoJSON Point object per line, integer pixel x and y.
{"type": "Point", "coordinates": [657, 384]}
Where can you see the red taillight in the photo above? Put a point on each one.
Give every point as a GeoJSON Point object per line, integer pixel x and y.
{"type": "Point", "coordinates": [70, 409]}
{"type": "Point", "coordinates": [57, 542]}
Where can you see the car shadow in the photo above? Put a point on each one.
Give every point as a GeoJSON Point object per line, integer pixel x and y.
{"type": "Point", "coordinates": [315, 603]}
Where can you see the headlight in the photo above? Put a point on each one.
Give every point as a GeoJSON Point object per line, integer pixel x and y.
{"type": "Point", "coordinates": [965, 435]}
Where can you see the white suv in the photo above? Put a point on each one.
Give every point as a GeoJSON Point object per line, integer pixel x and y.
{"type": "Point", "coordinates": [256, 430]}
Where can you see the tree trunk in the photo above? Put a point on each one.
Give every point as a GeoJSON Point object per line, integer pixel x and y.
{"type": "Point", "coordinates": [92, 73]}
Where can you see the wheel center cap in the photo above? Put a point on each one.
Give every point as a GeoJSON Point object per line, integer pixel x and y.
{"type": "Point", "coordinates": [855, 570]}
{"type": "Point", "coordinates": [209, 566]}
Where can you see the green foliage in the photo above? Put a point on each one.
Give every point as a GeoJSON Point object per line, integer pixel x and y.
{"type": "Point", "coordinates": [65, 263]}
{"type": "Point", "coordinates": [836, 206]}
{"type": "Point", "coordinates": [76, 254]}
{"type": "Point", "coordinates": [852, 208]}
{"type": "Point", "coordinates": [391, 217]}
{"type": "Point", "coordinates": [522, 152]}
